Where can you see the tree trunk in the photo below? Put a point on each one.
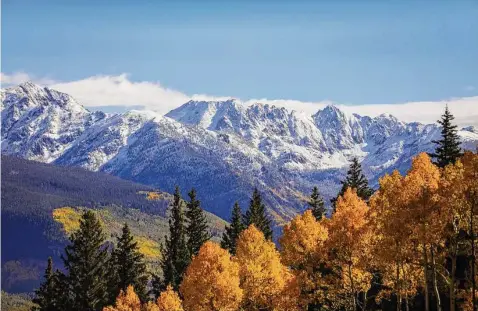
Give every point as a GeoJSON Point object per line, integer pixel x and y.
{"type": "Point", "coordinates": [472, 232]}
{"type": "Point", "coordinates": [452, 282]}
{"type": "Point", "coordinates": [407, 307]}
{"type": "Point", "coordinates": [425, 278]}
{"type": "Point", "coordinates": [434, 278]}
{"type": "Point", "coordinates": [399, 290]}
{"type": "Point", "coordinates": [354, 298]}
{"type": "Point", "coordinates": [364, 305]}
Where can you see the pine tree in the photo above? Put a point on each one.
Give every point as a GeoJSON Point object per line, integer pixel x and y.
{"type": "Point", "coordinates": [256, 214]}
{"type": "Point", "coordinates": [45, 296]}
{"type": "Point", "coordinates": [175, 252]}
{"type": "Point", "coordinates": [448, 147]}
{"type": "Point", "coordinates": [85, 260]}
{"type": "Point", "coordinates": [127, 267]}
{"type": "Point", "coordinates": [229, 237]}
{"type": "Point", "coordinates": [355, 179]}
{"type": "Point", "coordinates": [197, 229]}
{"type": "Point", "coordinates": [316, 203]}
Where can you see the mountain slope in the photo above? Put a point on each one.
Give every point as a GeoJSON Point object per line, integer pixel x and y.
{"type": "Point", "coordinates": [42, 203]}
{"type": "Point", "coordinates": [223, 148]}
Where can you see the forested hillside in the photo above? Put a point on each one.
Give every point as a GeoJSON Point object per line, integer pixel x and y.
{"type": "Point", "coordinates": [42, 204]}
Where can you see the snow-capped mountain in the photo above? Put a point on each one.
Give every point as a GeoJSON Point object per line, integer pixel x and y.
{"type": "Point", "coordinates": [222, 148]}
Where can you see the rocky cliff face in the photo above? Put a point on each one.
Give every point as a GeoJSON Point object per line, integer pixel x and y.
{"type": "Point", "coordinates": [222, 148]}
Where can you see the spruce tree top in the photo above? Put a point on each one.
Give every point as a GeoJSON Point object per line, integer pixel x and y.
{"type": "Point", "coordinates": [175, 252]}
{"type": "Point", "coordinates": [45, 296]}
{"type": "Point", "coordinates": [256, 214]}
{"type": "Point", "coordinates": [197, 228]}
{"type": "Point", "coordinates": [229, 237]}
{"type": "Point", "coordinates": [448, 147]}
{"type": "Point", "coordinates": [316, 203]}
{"type": "Point", "coordinates": [86, 261]}
{"type": "Point", "coordinates": [128, 266]}
{"type": "Point", "coordinates": [357, 180]}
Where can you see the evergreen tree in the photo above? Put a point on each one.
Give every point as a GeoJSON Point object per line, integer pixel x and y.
{"type": "Point", "coordinates": [448, 147]}
{"type": "Point", "coordinates": [256, 214]}
{"type": "Point", "coordinates": [63, 297]}
{"type": "Point", "coordinates": [316, 203]}
{"type": "Point", "coordinates": [156, 285]}
{"type": "Point", "coordinates": [127, 267]}
{"type": "Point", "coordinates": [197, 229]}
{"type": "Point", "coordinates": [229, 237]}
{"type": "Point", "coordinates": [86, 261]}
{"type": "Point", "coordinates": [45, 296]}
{"type": "Point", "coordinates": [355, 179]}
{"type": "Point", "coordinates": [175, 251]}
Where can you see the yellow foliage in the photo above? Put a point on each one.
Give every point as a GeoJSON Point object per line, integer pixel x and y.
{"type": "Point", "coordinates": [303, 240]}
{"type": "Point", "coordinates": [393, 252]}
{"type": "Point", "coordinates": [68, 217]}
{"type": "Point", "coordinates": [420, 189]}
{"type": "Point", "coordinates": [349, 241]}
{"type": "Point", "coordinates": [149, 248]}
{"type": "Point", "coordinates": [126, 301]}
{"type": "Point", "coordinates": [303, 249]}
{"type": "Point", "coordinates": [150, 306]}
{"type": "Point", "coordinates": [211, 281]}
{"type": "Point", "coordinates": [169, 300]}
{"type": "Point", "coordinates": [153, 196]}
{"type": "Point", "coordinates": [263, 277]}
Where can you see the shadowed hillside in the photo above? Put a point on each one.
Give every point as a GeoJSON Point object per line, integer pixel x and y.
{"type": "Point", "coordinates": [42, 204]}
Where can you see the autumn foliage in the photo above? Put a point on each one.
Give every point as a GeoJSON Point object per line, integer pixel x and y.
{"type": "Point", "coordinates": [129, 301]}
{"type": "Point", "coordinates": [266, 282]}
{"type": "Point", "coordinates": [211, 281]}
{"type": "Point", "coordinates": [126, 301]}
{"type": "Point", "coordinates": [169, 300]}
{"type": "Point", "coordinates": [405, 242]}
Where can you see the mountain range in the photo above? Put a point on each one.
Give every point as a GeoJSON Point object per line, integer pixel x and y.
{"type": "Point", "coordinates": [222, 148]}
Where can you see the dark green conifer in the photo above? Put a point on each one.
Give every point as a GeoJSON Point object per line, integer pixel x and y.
{"type": "Point", "coordinates": [175, 252]}
{"type": "Point", "coordinates": [127, 266]}
{"type": "Point", "coordinates": [86, 261]}
{"type": "Point", "coordinates": [357, 180]}
{"type": "Point", "coordinates": [448, 147]}
{"type": "Point", "coordinates": [256, 214]}
{"type": "Point", "coordinates": [46, 295]}
{"type": "Point", "coordinates": [197, 228]}
{"type": "Point", "coordinates": [316, 203]}
{"type": "Point", "coordinates": [229, 237]}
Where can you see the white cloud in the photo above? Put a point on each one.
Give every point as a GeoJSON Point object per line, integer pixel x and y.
{"type": "Point", "coordinates": [20, 77]}
{"type": "Point", "coordinates": [120, 91]}
{"type": "Point", "coordinates": [104, 90]}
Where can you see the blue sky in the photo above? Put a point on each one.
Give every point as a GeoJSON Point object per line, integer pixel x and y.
{"type": "Point", "coordinates": [351, 52]}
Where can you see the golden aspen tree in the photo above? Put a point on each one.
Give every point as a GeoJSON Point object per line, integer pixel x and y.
{"type": "Point", "coordinates": [302, 249]}
{"type": "Point", "coordinates": [150, 306]}
{"type": "Point", "coordinates": [264, 279]}
{"type": "Point", "coordinates": [169, 300]}
{"type": "Point", "coordinates": [455, 211]}
{"type": "Point", "coordinates": [393, 252]}
{"type": "Point", "coordinates": [470, 164]}
{"type": "Point", "coordinates": [211, 282]}
{"type": "Point", "coordinates": [420, 195]}
{"type": "Point", "coordinates": [349, 239]}
{"type": "Point", "coordinates": [126, 301]}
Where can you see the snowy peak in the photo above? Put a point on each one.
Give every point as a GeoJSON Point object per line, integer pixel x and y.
{"type": "Point", "coordinates": [222, 148]}
{"type": "Point", "coordinates": [205, 114]}
{"type": "Point", "coordinates": [41, 123]}
{"type": "Point", "coordinates": [340, 131]}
